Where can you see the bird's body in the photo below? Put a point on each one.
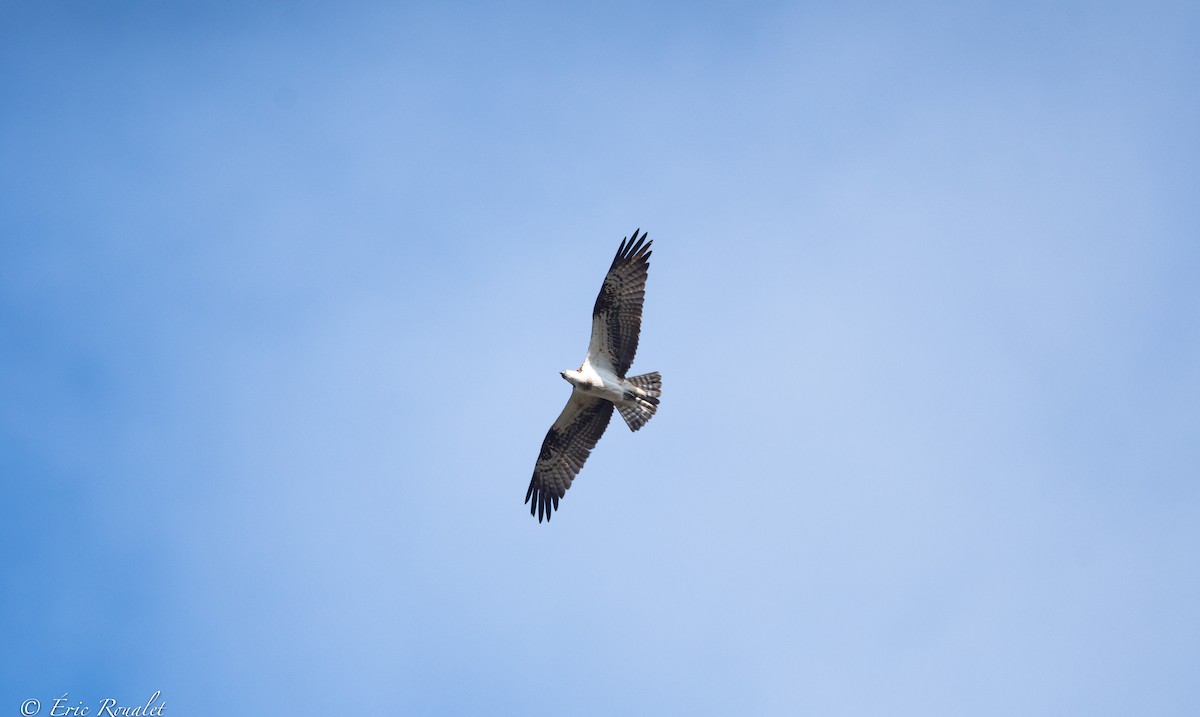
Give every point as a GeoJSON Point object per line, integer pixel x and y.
{"type": "Point", "coordinates": [600, 384]}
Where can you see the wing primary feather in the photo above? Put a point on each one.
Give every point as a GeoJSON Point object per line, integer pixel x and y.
{"type": "Point", "coordinates": [637, 248]}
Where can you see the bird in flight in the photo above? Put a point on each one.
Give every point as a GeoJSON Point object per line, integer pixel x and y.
{"type": "Point", "coordinates": [600, 383]}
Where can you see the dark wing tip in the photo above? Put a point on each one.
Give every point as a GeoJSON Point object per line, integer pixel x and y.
{"type": "Point", "coordinates": [648, 242]}
{"type": "Point", "coordinates": [539, 501]}
{"type": "Point", "coordinates": [633, 247]}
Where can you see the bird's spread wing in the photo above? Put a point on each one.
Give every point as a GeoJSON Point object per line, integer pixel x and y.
{"type": "Point", "coordinates": [617, 315]}
{"type": "Point", "coordinates": [567, 445]}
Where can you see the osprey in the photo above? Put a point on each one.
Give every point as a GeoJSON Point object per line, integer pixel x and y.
{"type": "Point", "coordinates": [600, 383]}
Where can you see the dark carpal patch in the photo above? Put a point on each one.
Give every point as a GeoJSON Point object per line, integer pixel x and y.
{"type": "Point", "coordinates": [550, 445]}
{"type": "Point", "coordinates": [606, 299]}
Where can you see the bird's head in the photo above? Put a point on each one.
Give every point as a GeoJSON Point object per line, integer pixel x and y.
{"type": "Point", "coordinates": [571, 375]}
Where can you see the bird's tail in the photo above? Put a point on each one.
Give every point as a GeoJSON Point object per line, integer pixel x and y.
{"type": "Point", "coordinates": [646, 390]}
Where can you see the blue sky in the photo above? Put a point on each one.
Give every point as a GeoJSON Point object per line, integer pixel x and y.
{"type": "Point", "coordinates": [284, 292]}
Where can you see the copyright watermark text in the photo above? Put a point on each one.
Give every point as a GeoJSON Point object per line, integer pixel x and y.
{"type": "Point", "coordinates": [64, 706]}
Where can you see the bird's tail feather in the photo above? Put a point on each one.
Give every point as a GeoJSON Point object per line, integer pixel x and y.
{"type": "Point", "coordinates": [648, 389]}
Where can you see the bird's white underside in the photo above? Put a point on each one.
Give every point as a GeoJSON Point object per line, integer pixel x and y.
{"type": "Point", "coordinates": [599, 380]}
